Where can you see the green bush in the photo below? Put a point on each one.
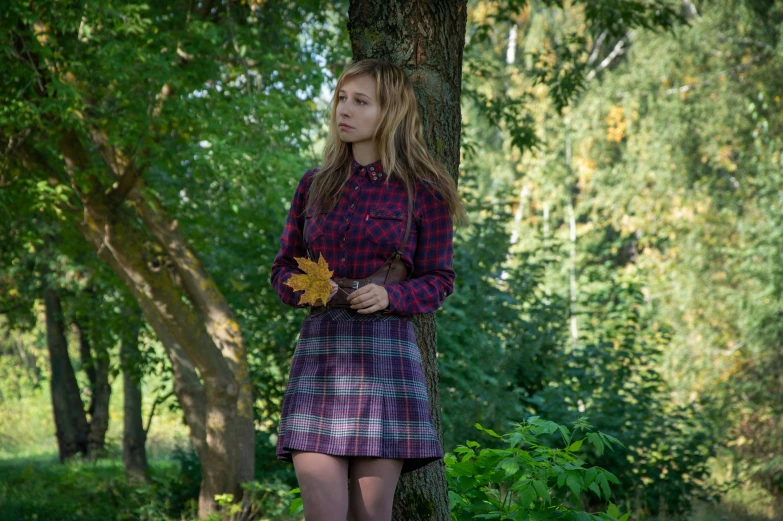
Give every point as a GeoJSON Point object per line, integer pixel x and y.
{"type": "Point", "coordinates": [527, 479]}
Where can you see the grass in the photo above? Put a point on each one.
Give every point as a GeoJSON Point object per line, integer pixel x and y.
{"type": "Point", "coordinates": [34, 486]}
{"type": "Point", "coordinates": [42, 489]}
{"type": "Point", "coordinates": [27, 424]}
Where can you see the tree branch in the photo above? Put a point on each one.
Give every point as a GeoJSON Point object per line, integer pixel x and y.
{"type": "Point", "coordinates": [617, 51]}
{"type": "Point", "coordinates": [159, 400]}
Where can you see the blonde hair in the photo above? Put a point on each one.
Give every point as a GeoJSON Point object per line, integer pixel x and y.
{"type": "Point", "coordinates": [399, 139]}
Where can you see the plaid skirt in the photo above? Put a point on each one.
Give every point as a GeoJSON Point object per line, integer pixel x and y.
{"type": "Point", "coordinates": [357, 388]}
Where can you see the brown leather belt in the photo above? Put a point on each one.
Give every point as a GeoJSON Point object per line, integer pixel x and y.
{"type": "Point", "coordinates": [393, 270]}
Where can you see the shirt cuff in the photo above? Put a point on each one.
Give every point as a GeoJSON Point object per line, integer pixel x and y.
{"type": "Point", "coordinates": [393, 292]}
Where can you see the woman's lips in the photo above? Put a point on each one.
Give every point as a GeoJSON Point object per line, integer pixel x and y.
{"type": "Point", "coordinates": [343, 126]}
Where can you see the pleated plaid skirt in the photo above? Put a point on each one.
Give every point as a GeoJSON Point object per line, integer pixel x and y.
{"type": "Point", "coordinates": [357, 388]}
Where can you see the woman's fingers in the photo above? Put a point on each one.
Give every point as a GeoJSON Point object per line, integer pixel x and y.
{"type": "Point", "coordinates": [369, 299]}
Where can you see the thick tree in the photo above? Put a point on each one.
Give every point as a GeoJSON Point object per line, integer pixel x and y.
{"type": "Point", "coordinates": [426, 39]}
{"type": "Point", "coordinates": [134, 435]}
{"type": "Point", "coordinates": [95, 360]}
{"type": "Point", "coordinates": [107, 114]}
{"type": "Point", "coordinates": [69, 417]}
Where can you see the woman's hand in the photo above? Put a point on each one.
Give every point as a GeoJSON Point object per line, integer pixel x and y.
{"type": "Point", "coordinates": [369, 299]}
{"type": "Point", "coordinates": [335, 287]}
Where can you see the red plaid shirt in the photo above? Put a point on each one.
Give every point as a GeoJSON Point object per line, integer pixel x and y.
{"type": "Point", "coordinates": [365, 227]}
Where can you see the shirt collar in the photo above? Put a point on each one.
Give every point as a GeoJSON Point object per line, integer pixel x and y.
{"type": "Point", "coordinates": [374, 170]}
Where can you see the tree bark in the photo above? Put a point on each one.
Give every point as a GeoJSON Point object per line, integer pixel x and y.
{"type": "Point", "coordinates": [426, 38]}
{"type": "Point", "coordinates": [134, 437]}
{"type": "Point", "coordinates": [97, 369]}
{"type": "Point", "coordinates": [85, 354]}
{"type": "Point", "coordinates": [69, 417]}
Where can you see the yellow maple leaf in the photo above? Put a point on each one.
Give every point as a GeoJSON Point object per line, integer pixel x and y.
{"type": "Point", "coordinates": [314, 281]}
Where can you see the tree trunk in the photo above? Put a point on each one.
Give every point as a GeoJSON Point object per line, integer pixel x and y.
{"type": "Point", "coordinates": [214, 312]}
{"type": "Point", "coordinates": [134, 437]}
{"type": "Point", "coordinates": [69, 418]}
{"type": "Point", "coordinates": [184, 334]}
{"type": "Point", "coordinates": [426, 38]}
{"type": "Point", "coordinates": [99, 421]}
{"type": "Point", "coordinates": [88, 365]}
{"type": "Point", "coordinates": [97, 369]}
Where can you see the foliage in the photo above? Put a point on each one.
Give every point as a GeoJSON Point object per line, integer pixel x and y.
{"type": "Point", "coordinates": [527, 479]}
{"type": "Point", "coordinates": [612, 377]}
{"type": "Point", "coordinates": [563, 47]}
{"type": "Point", "coordinates": [516, 326]}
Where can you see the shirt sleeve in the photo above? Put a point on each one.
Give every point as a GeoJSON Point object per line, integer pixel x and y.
{"type": "Point", "coordinates": [432, 278]}
{"type": "Point", "coordinates": [292, 245]}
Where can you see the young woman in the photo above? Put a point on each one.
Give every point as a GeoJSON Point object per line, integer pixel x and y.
{"type": "Point", "coordinates": [380, 211]}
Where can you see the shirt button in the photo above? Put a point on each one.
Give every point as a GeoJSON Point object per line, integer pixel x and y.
{"type": "Point", "coordinates": [348, 220]}
{"type": "Point", "coordinates": [356, 187]}
{"type": "Point", "coordinates": [352, 205]}
{"type": "Point", "coordinates": [343, 239]}
{"type": "Point", "coordinates": [343, 259]}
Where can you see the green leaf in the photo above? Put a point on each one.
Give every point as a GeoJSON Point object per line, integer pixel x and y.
{"type": "Point", "coordinates": [575, 446]}
{"type": "Point", "coordinates": [527, 495]}
{"type": "Point", "coordinates": [510, 465]}
{"type": "Point", "coordinates": [574, 485]}
{"type": "Point", "coordinates": [612, 510]}
{"type": "Point", "coordinates": [296, 506]}
{"type": "Point", "coordinates": [542, 490]}
{"type": "Point", "coordinates": [455, 499]}
{"type": "Point", "coordinates": [601, 479]}
{"type": "Point", "coordinates": [595, 439]}
{"type": "Point", "coordinates": [488, 431]}
{"type": "Point", "coordinates": [590, 475]}
{"type": "Point", "coordinates": [565, 433]}
{"type": "Point", "coordinates": [611, 477]}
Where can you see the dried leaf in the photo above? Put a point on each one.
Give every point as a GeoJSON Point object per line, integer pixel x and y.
{"type": "Point", "coordinates": [314, 281]}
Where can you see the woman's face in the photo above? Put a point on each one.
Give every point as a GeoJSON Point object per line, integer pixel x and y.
{"type": "Point", "coordinates": [357, 110]}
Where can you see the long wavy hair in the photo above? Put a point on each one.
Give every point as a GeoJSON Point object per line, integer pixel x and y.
{"type": "Point", "coordinates": [399, 139]}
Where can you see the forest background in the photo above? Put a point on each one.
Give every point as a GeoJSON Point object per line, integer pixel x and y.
{"type": "Point", "coordinates": [623, 261]}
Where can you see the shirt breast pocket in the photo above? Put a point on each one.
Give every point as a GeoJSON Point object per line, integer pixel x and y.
{"type": "Point", "coordinates": [314, 226]}
{"type": "Point", "coordinates": [386, 225]}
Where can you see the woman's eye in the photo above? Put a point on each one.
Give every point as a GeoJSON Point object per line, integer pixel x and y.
{"type": "Point", "coordinates": [341, 98]}
{"type": "Point", "coordinates": [360, 102]}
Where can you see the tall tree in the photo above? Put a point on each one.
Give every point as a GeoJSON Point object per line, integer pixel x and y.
{"type": "Point", "coordinates": [111, 110]}
{"type": "Point", "coordinates": [425, 38]}
{"type": "Point", "coordinates": [134, 435]}
{"type": "Point", "coordinates": [69, 417]}
{"type": "Point", "coordinates": [95, 360]}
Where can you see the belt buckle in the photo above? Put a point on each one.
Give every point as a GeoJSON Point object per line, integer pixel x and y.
{"type": "Point", "coordinates": [355, 284]}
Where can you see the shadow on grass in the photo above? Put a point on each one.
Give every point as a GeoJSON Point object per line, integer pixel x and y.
{"type": "Point", "coordinates": [42, 489]}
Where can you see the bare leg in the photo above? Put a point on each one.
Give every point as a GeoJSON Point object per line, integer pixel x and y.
{"type": "Point", "coordinates": [323, 481]}
{"type": "Point", "coordinates": [373, 482]}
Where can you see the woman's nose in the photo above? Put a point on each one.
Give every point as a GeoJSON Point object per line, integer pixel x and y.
{"type": "Point", "coordinates": [343, 109]}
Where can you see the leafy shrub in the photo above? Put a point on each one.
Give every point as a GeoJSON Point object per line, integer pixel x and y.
{"type": "Point", "coordinates": [527, 479]}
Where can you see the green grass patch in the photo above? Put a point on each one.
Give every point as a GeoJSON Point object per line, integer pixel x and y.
{"type": "Point", "coordinates": [42, 489]}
